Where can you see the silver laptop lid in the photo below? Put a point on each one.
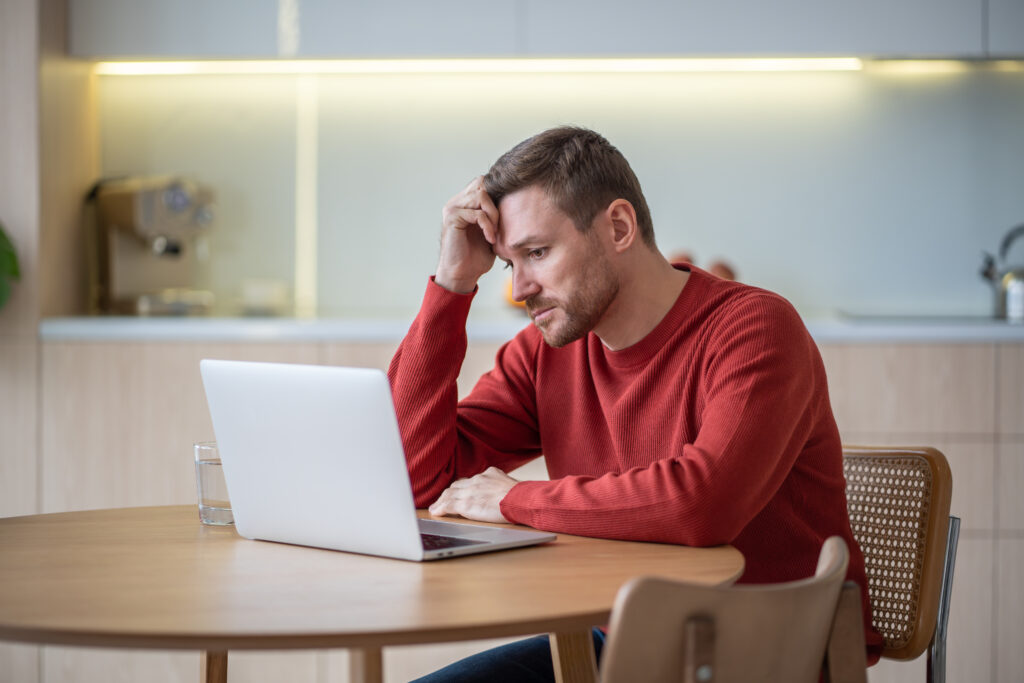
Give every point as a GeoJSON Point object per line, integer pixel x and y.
{"type": "Point", "coordinates": [312, 455]}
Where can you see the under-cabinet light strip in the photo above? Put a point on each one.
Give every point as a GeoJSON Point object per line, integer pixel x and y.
{"type": "Point", "coordinates": [403, 66]}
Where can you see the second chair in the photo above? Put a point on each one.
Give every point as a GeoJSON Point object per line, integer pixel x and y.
{"type": "Point", "coordinates": [664, 631]}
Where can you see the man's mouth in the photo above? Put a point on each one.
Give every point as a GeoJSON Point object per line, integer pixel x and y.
{"type": "Point", "coordinates": [541, 314]}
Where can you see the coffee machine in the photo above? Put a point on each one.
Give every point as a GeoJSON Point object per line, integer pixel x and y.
{"type": "Point", "coordinates": [146, 238]}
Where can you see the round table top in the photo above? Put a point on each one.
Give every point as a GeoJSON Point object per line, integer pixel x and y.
{"type": "Point", "coordinates": [157, 578]}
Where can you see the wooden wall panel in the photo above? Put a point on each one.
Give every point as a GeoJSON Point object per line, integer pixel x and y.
{"type": "Point", "coordinates": [359, 355]}
{"type": "Point", "coordinates": [100, 665]}
{"type": "Point", "coordinates": [1009, 498]}
{"type": "Point", "coordinates": [479, 360]}
{"type": "Point", "coordinates": [1010, 381]}
{"type": "Point", "coordinates": [912, 388]}
{"type": "Point", "coordinates": [1009, 589]}
{"type": "Point", "coordinates": [18, 425]}
{"type": "Point", "coordinates": [19, 663]}
{"type": "Point", "coordinates": [119, 419]}
{"type": "Point", "coordinates": [69, 163]}
{"type": "Point", "coordinates": [971, 613]}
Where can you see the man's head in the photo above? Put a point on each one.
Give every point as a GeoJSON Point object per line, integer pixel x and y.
{"type": "Point", "coordinates": [578, 169]}
{"type": "Point", "coordinates": [562, 274]}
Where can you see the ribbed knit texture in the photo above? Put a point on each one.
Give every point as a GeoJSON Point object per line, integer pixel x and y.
{"type": "Point", "coordinates": [715, 428]}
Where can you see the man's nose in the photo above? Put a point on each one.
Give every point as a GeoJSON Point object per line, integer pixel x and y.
{"type": "Point", "coordinates": [523, 286]}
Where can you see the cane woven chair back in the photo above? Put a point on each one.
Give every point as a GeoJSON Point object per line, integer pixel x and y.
{"type": "Point", "coordinates": [898, 499]}
{"type": "Point", "coordinates": [666, 631]}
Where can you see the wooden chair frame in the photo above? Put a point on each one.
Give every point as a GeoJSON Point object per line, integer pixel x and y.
{"type": "Point", "coordinates": [665, 630]}
{"type": "Point", "coordinates": [874, 478]}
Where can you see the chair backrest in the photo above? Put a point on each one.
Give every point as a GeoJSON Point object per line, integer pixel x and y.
{"type": "Point", "coordinates": [898, 500]}
{"type": "Point", "coordinates": [665, 631]}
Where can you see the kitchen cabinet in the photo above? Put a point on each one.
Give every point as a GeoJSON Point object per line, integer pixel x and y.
{"type": "Point", "coordinates": [408, 28]}
{"type": "Point", "coordinates": [937, 389]}
{"type": "Point", "coordinates": [536, 28]}
{"type": "Point", "coordinates": [123, 29]}
{"type": "Point", "coordinates": [1005, 28]}
{"type": "Point", "coordinates": [741, 27]}
{"type": "Point", "coordinates": [119, 420]}
{"type": "Point", "coordinates": [1010, 385]}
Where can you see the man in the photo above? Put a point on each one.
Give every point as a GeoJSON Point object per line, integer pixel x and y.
{"type": "Point", "coordinates": [671, 406]}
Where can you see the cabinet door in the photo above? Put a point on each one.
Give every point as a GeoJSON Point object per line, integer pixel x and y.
{"type": "Point", "coordinates": [741, 27]}
{"type": "Point", "coordinates": [183, 28]}
{"type": "Point", "coordinates": [250, 28]}
{"type": "Point", "coordinates": [407, 28]}
{"type": "Point", "coordinates": [1010, 397]}
{"type": "Point", "coordinates": [912, 389]}
{"type": "Point", "coordinates": [574, 28]}
{"type": "Point", "coordinates": [18, 434]}
{"type": "Point", "coordinates": [1005, 28]}
{"type": "Point", "coordinates": [119, 419]}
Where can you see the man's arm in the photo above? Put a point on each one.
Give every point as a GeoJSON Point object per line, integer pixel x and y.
{"type": "Point", "coordinates": [440, 446]}
{"type": "Point", "coordinates": [764, 396]}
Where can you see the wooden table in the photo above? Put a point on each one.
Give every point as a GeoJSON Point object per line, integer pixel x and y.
{"type": "Point", "coordinates": [156, 578]}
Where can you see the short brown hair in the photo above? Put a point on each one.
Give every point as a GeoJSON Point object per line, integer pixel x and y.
{"type": "Point", "coordinates": [580, 170]}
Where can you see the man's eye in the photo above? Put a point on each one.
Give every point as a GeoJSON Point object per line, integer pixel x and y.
{"type": "Point", "coordinates": [537, 253]}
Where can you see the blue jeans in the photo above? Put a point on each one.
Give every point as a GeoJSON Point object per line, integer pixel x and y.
{"type": "Point", "coordinates": [525, 661]}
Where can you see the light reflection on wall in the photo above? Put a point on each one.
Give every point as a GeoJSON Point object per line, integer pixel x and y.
{"type": "Point", "coordinates": [866, 191]}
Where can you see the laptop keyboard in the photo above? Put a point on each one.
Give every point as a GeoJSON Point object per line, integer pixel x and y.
{"type": "Point", "coordinates": [435, 542]}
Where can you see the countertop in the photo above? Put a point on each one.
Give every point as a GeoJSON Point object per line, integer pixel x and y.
{"type": "Point", "coordinates": [839, 329]}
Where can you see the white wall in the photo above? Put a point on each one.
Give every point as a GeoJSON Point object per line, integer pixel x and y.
{"type": "Point", "coordinates": [870, 192]}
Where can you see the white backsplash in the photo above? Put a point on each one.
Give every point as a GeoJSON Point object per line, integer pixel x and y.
{"type": "Point", "coordinates": [867, 192]}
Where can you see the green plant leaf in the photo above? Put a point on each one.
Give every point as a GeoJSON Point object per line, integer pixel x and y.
{"type": "Point", "coordinates": [5, 291]}
{"type": "Point", "coordinates": [8, 259]}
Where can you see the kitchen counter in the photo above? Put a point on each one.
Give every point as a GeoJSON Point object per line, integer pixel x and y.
{"type": "Point", "coordinates": [844, 329]}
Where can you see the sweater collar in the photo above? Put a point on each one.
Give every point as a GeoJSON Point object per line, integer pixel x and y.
{"type": "Point", "coordinates": [646, 348]}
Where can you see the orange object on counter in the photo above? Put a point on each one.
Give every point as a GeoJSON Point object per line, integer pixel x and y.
{"type": "Point", "coordinates": [511, 299]}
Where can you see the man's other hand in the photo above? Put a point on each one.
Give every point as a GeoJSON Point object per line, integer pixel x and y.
{"type": "Point", "coordinates": [478, 498]}
{"type": "Point", "coordinates": [469, 226]}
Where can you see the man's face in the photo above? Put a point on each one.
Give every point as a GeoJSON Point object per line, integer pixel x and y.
{"type": "Point", "coordinates": [562, 274]}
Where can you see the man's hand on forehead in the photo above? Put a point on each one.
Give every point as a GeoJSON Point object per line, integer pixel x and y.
{"type": "Point", "coordinates": [469, 229]}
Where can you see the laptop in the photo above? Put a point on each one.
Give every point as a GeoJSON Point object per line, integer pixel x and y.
{"type": "Point", "coordinates": [312, 456]}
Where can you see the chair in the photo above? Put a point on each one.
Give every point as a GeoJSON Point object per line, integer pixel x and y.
{"type": "Point", "coordinates": [898, 499]}
{"type": "Point", "coordinates": [664, 630]}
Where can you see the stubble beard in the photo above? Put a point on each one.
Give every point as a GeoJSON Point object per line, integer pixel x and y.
{"type": "Point", "coordinates": [586, 305]}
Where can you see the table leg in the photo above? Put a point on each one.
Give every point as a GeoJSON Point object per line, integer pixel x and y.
{"type": "Point", "coordinates": [573, 656]}
{"type": "Point", "coordinates": [213, 667]}
{"type": "Point", "coordinates": [365, 665]}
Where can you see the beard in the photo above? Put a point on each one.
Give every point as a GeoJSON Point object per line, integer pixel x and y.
{"type": "Point", "coordinates": [595, 288]}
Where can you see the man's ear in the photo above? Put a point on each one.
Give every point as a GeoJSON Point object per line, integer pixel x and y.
{"type": "Point", "coordinates": [622, 222]}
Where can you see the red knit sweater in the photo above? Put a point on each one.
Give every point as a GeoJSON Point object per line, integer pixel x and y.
{"type": "Point", "coordinates": [714, 428]}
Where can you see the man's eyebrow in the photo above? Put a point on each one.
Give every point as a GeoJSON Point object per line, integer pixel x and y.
{"type": "Point", "coordinates": [529, 239]}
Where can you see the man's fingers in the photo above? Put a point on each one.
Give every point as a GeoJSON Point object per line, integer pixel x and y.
{"type": "Point", "coordinates": [441, 505]}
{"type": "Point", "coordinates": [488, 227]}
{"type": "Point", "coordinates": [465, 217]}
{"type": "Point", "coordinates": [488, 207]}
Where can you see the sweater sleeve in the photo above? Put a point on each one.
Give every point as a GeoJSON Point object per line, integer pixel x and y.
{"type": "Point", "coordinates": [757, 384]}
{"type": "Point", "coordinates": [444, 439]}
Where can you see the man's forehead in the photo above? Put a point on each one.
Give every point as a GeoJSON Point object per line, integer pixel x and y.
{"type": "Point", "coordinates": [527, 215]}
